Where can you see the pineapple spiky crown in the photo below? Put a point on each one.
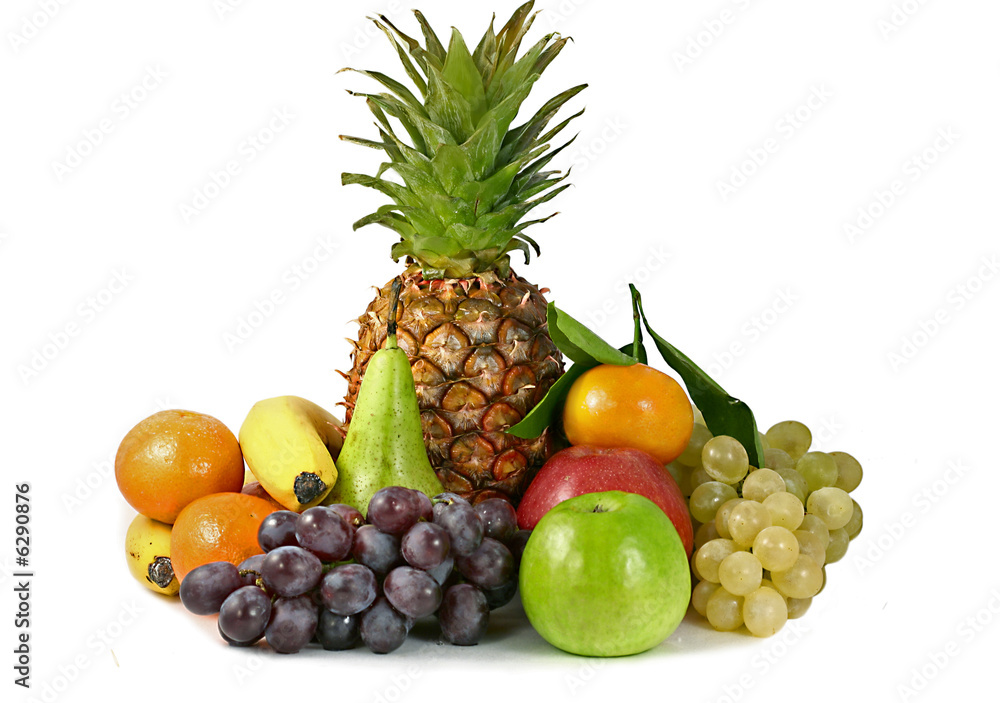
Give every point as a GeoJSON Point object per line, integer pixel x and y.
{"type": "Point", "coordinates": [468, 177]}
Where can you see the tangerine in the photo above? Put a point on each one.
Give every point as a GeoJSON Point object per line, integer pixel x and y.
{"type": "Point", "coordinates": [217, 527]}
{"type": "Point", "coordinates": [629, 406]}
{"type": "Point", "coordinates": [173, 457]}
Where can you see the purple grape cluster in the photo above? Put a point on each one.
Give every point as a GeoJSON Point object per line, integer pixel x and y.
{"type": "Point", "coordinates": [331, 576]}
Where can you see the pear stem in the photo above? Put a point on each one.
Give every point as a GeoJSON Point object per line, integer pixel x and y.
{"type": "Point", "coordinates": [397, 286]}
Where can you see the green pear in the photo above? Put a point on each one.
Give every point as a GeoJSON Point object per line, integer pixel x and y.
{"type": "Point", "coordinates": [385, 442]}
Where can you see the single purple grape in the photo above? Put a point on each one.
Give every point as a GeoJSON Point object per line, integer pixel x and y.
{"type": "Point", "coordinates": [443, 571]}
{"type": "Point", "coordinates": [425, 545]}
{"type": "Point", "coordinates": [293, 624]}
{"type": "Point", "coordinates": [375, 549]}
{"type": "Point", "coordinates": [412, 592]}
{"type": "Point", "coordinates": [464, 527]}
{"type": "Point", "coordinates": [499, 518]}
{"type": "Point", "coordinates": [442, 500]}
{"type": "Point", "coordinates": [490, 566]}
{"type": "Point", "coordinates": [338, 632]}
{"type": "Point", "coordinates": [383, 628]}
{"type": "Point", "coordinates": [464, 614]}
{"type": "Point", "coordinates": [324, 533]}
{"type": "Point", "coordinates": [348, 589]}
{"type": "Point", "coordinates": [277, 530]}
{"type": "Point", "coordinates": [290, 571]}
{"type": "Point", "coordinates": [426, 506]}
{"type": "Point", "coordinates": [205, 587]}
{"type": "Point", "coordinates": [245, 613]}
{"type": "Point", "coordinates": [394, 509]}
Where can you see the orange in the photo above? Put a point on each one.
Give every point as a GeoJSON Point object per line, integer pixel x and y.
{"type": "Point", "coordinates": [173, 457]}
{"type": "Point", "coordinates": [217, 527]}
{"type": "Point", "coordinates": [629, 406]}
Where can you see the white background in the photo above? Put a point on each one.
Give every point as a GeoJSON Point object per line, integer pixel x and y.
{"type": "Point", "coordinates": [680, 95]}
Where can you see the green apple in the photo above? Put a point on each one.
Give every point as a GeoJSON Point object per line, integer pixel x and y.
{"type": "Point", "coordinates": [605, 575]}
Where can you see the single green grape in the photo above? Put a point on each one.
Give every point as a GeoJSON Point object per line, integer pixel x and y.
{"type": "Point", "coordinates": [791, 436]}
{"type": "Point", "coordinates": [707, 497]}
{"type": "Point", "coordinates": [797, 607]}
{"type": "Point", "coordinates": [746, 520]}
{"type": "Point", "coordinates": [725, 459]}
{"type": "Point", "coordinates": [856, 522]}
{"type": "Point", "coordinates": [839, 541]}
{"type": "Point", "coordinates": [811, 546]}
{"type": "Point", "coordinates": [818, 469]}
{"type": "Point", "coordinates": [849, 472]}
{"type": "Point", "coordinates": [775, 458]}
{"type": "Point", "coordinates": [811, 523]}
{"type": "Point", "coordinates": [803, 580]}
{"type": "Point", "coordinates": [724, 610]}
{"type": "Point", "coordinates": [776, 548]}
{"type": "Point", "coordinates": [706, 532]}
{"type": "Point", "coordinates": [786, 510]}
{"type": "Point", "coordinates": [740, 573]}
{"type": "Point", "coordinates": [832, 505]}
{"type": "Point", "coordinates": [764, 444]}
{"type": "Point", "coordinates": [761, 483]}
{"type": "Point", "coordinates": [698, 477]}
{"type": "Point", "coordinates": [764, 612]}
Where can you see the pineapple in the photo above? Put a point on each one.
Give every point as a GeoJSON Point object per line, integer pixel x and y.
{"type": "Point", "coordinates": [474, 330]}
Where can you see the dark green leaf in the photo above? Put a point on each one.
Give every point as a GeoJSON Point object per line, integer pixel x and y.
{"type": "Point", "coordinates": [636, 349]}
{"type": "Point", "coordinates": [579, 343]}
{"type": "Point", "coordinates": [723, 413]}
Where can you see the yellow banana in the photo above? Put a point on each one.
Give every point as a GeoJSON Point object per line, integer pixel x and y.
{"type": "Point", "coordinates": [290, 445]}
{"type": "Point", "coordinates": [147, 551]}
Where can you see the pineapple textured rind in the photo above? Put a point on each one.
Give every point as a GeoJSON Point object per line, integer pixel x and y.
{"type": "Point", "coordinates": [481, 359]}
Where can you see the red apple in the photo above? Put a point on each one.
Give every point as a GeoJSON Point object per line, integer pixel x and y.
{"type": "Point", "coordinates": [585, 469]}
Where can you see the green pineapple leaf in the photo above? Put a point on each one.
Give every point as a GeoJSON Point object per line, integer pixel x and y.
{"type": "Point", "coordinates": [485, 54]}
{"type": "Point", "coordinates": [401, 91]}
{"type": "Point", "coordinates": [482, 147]}
{"type": "Point", "coordinates": [452, 167]}
{"type": "Point", "coordinates": [464, 172]}
{"type": "Point", "coordinates": [461, 73]}
{"type": "Point", "coordinates": [447, 107]}
{"type": "Point", "coordinates": [408, 66]}
{"type": "Point", "coordinates": [434, 46]}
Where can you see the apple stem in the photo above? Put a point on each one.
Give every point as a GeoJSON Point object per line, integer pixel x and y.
{"type": "Point", "coordinates": [599, 509]}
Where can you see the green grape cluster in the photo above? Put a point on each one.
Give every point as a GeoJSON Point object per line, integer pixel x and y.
{"type": "Point", "coordinates": [764, 536]}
